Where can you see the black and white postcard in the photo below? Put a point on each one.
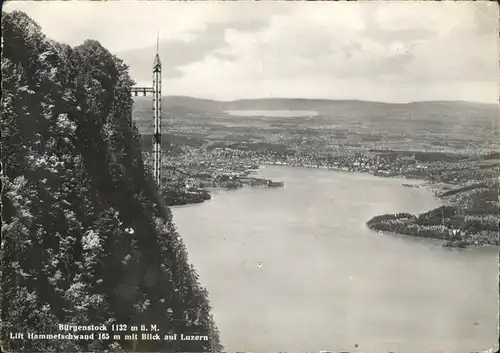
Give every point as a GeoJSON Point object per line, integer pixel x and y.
{"type": "Point", "coordinates": [250, 176]}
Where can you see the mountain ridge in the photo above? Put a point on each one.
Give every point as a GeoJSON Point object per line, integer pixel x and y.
{"type": "Point", "coordinates": [438, 111]}
{"type": "Point", "coordinates": [317, 100]}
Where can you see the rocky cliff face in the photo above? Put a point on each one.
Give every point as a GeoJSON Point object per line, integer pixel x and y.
{"type": "Point", "coordinates": [85, 237]}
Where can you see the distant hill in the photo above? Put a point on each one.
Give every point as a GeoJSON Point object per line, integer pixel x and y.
{"type": "Point", "coordinates": [320, 105]}
{"type": "Point", "coordinates": [434, 125]}
{"type": "Point", "coordinates": [460, 105]}
{"type": "Point", "coordinates": [191, 103]}
{"type": "Point", "coordinates": [457, 102]}
{"type": "Point", "coordinates": [297, 103]}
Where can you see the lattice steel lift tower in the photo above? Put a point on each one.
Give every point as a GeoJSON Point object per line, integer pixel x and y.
{"type": "Point", "coordinates": [156, 90]}
{"type": "Point", "coordinates": [157, 115]}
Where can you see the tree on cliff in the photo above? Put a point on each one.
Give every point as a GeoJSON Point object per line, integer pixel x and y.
{"type": "Point", "coordinates": [73, 181]}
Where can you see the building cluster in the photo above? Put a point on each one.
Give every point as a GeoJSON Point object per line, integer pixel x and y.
{"type": "Point", "coordinates": [220, 163]}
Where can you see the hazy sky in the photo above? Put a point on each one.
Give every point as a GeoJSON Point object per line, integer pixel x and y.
{"type": "Point", "coordinates": [385, 51]}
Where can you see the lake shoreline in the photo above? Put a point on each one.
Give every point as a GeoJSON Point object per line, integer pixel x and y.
{"type": "Point", "coordinates": [409, 224]}
{"type": "Point", "coordinates": [304, 242]}
{"type": "Point", "coordinates": [450, 239]}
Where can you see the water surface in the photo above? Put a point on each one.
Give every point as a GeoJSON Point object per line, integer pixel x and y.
{"type": "Point", "coordinates": [274, 113]}
{"type": "Point", "coordinates": [295, 269]}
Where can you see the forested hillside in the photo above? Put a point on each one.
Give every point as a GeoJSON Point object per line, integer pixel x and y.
{"type": "Point", "coordinates": [469, 217]}
{"type": "Point", "coordinates": [85, 237]}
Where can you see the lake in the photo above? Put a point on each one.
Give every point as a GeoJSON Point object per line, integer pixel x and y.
{"type": "Point", "coordinates": [274, 113]}
{"type": "Point", "coordinates": [295, 269]}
